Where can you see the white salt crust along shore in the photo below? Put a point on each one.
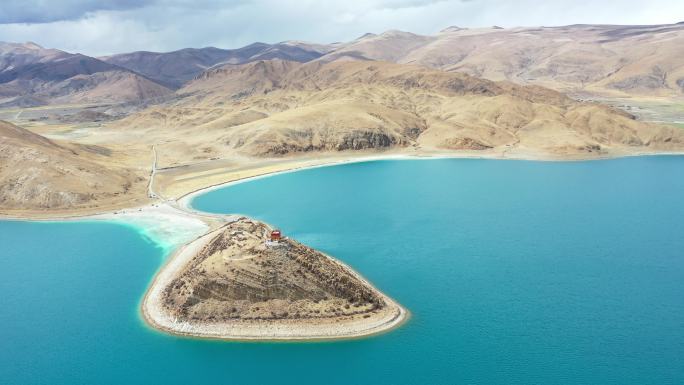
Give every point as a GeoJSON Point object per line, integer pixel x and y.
{"type": "Point", "coordinates": [312, 329]}
{"type": "Point", "coordinates": [163, 222]}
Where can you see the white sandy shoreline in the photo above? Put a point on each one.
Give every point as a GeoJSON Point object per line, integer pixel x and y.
{"type": "Point", "coordinates": [165, 224]}
{"type": "Point", "coordinates": [184, 201]}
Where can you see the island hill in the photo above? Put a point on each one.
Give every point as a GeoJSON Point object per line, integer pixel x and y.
{"type": "Point", "coordinates": [243, 281]}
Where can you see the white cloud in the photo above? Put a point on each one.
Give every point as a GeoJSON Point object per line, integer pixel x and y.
{"type": "Point", "coordinates": [161, 25]}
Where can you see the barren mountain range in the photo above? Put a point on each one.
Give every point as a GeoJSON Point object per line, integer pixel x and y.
{"type": "Point", "coordinates": [176, 68]}
{"type": "Point", "coordinates": [31, 76]}
{"type": "Point", "coordinates": [598, 59]}
{"type": "Point", "coordinates": [275, 108]}
{"type": "Point", "coordinates": [604, 59]}
{"type": "Point", "coordinates": [490, 92]}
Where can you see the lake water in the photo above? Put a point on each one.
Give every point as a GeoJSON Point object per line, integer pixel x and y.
{"type": "Point", "coordinates": [515, 272]}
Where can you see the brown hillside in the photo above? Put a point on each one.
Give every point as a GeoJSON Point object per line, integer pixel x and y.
{"type": "Point", "coordinates": [39, 174]}
{"type": "Point", "coordinates": [274, 108]}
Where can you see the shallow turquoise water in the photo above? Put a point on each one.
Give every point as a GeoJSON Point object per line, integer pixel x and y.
{"type": "Point", "coordinates": [515, 273]}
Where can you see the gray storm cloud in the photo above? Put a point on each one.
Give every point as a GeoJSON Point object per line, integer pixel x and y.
{"type": "Point", "coordinates": [45, 11]}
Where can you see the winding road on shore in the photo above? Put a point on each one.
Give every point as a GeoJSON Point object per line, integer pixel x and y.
{"type": "Point", "coordinates": [150, 190]}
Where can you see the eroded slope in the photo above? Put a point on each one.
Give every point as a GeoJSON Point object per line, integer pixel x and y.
{"type": "Point", "coordinates": [239, 284]}
{"type": "Point", "coordinates": [38, 174]}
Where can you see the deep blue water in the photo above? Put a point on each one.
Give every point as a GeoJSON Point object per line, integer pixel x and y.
{"type": "Point", "coordinates": [515, 273]}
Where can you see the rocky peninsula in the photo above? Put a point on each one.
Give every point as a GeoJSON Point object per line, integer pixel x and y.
{"type": "Point", "coordinates": [235, 283]}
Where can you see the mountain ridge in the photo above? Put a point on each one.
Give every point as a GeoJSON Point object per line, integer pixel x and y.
{"type": "Point", "coordinates": [32, 76]}
{"type": "Point", "coordinates": [277, 108]}
{"type": "Point", "coordinates": [596, 59]}
{"type": "Point", "coordinates": [177, 67]}
{"type": "Point", "coordinates": [603, 59]}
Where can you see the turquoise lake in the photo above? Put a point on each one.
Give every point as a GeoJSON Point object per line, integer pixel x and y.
{"type": "Point", "coordinates": [515, 272]}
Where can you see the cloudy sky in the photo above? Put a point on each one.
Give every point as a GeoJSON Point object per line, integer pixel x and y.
{"type": "Point", "coordinates": [113, 26]}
